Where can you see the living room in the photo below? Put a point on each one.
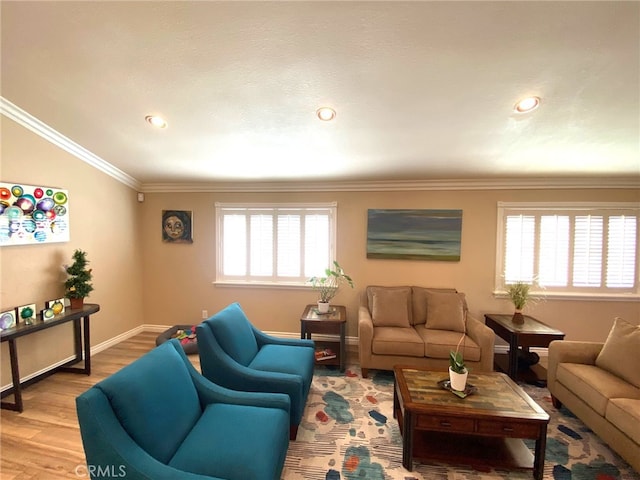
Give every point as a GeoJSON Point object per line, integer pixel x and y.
{"type": "Point", "coordinates": [144, 284]}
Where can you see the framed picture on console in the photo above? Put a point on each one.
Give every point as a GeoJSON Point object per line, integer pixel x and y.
{"type": "Point", "coordinates": [27, 314]}
{"type": "Point", "coordinates": [8, 319]}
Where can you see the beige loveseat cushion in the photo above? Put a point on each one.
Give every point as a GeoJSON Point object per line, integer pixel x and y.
{"type": "Point", "coordinates": [390, 306]}
{"type": "Point", "coordinates": [445, 311]}
{"type": "Point", "coordinates": [438, 344]}
{"type": "Point", "coordinates": [419, 302]}
{"type": "Point", "coordinates": [624, 413]}
{"type": "Point", "coordinates": [397, 341]}
{"type": "Point", "coordinates": [594, 385]}
{"type": "Point", "coordinates": [620, 354]}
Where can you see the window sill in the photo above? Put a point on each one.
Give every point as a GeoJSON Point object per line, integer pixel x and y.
{"type": "Point", "coordinates": [238, 284]}
{"type": "Point", "coordinates": [600, 297]}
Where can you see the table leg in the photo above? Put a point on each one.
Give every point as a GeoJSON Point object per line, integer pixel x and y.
{"type": "Point", "coordinates": [15, 378]}
{"type": "Point", "coordinates": [407, 440]}
{"type": "Point", "coordinates": [396, 402]}
{"type": "Point", "coordinates": [87, 346]}
{"type": "Point", "coordinates": [513, 358]}
{"type": "Point", "coordinates": [342, 347]}
{"type": "Point", "coordinates": [538, 461]}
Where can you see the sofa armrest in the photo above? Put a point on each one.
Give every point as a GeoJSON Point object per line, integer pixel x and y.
{"type": "Point", "coordinates": [568, 351]}
{"type": "Point", "coordinates": [365, 336]}
{"type": "Point", "coordinates": [210, 392]}
{"type": "Point", "coordinates": [485, 338]}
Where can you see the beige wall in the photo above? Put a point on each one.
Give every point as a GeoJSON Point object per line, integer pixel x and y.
{"type": "Point", "coordinates": [140, 280]}
{"type": "Point", "coordinates": [104, 218]}
{"type": "Point", "coordinates": [178, 280]}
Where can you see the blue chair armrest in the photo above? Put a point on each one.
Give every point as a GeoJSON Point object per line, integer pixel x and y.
{"type": "Point", "coordinates": [109, 449]}
{"type": "Point", "coordinates": [265, 339]}
{"type": "Point", "coordinates": [210, 392]}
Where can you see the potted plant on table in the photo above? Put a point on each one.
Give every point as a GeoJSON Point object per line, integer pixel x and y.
{"type": "Point", "coordinates": [458, 371]}
{"type": "Point", "coordinates": [519, 294]}
{"type": "Point", "coordinates": [328, 285]}
{"type": "Point", "coordinates": [77, 285]}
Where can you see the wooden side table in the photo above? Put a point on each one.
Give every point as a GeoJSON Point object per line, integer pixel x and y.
{"type": "Point", "coordinates": [332, 323]}
{"type": "Point", "coordinates": [529, 333]}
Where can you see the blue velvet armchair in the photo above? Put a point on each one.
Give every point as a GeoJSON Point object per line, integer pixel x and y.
{"type": "Point", "coordinates": [235, 354]}
{"type": "Point", "coordinates": [159, 419]}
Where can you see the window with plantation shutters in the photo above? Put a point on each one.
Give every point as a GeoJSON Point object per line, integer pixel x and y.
{"type": "Point", "coordinates": [274, 244]}
{"type": "Point", "coordinates": [569, 249]}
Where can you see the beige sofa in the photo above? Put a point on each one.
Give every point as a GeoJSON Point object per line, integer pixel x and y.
{"type": "Point", "coordinates": [411, 325]}
{"type": "Point", "coordinates": [600, 384]}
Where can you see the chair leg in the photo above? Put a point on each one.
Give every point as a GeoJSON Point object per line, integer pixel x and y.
{"type": "Point", "coordinates": [293, 432]}
{"type": "Point", "coordinates": [365, 372]}
{"type": "Point", "coordinates": [555, 402]}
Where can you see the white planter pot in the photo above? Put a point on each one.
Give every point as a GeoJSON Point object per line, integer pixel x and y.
{"type": "Point", "coordinates": [323, 307]}
{"type": "Point", "coordinates": [458, 380]}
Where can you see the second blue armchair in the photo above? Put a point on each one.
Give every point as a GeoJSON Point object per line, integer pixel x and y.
{"type": "Point", "coordinates": [235, 354]}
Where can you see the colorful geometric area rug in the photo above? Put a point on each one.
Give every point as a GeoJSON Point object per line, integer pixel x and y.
{"type": "Point", "coordinates": [348, 433]}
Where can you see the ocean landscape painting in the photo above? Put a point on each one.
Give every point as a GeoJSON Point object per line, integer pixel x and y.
{"type": "Point", "coordinates": [414, 234]}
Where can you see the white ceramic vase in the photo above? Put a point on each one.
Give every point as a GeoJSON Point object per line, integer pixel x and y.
{"type": "Point", "coordinates": [458, 380]}
{"type": "Point", "coordinates": [323, 307]}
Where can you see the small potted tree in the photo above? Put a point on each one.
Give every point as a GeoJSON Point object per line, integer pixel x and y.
{"type": "Point", "coordinates": [328, 285]}
{"type": "Point", "coordinates": [519, 294]}
{"type": "Point", "coordinates": [78, 285]}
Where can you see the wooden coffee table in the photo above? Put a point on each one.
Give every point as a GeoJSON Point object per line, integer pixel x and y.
{"type": "Point", "coordinates": [483, 430]}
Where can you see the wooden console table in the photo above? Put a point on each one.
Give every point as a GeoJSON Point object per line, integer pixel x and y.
{"type": "Point", "coordinates": [82, 345]}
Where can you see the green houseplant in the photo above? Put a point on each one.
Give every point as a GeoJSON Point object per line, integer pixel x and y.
{"type": "Point", "coordinates": [78, 284]}
{"type": "Point", "coordinates": [519, 294]}
{"type": "Point", "coordinates": [328, 285]}
{"type": "Point", "coordinates": [458, 371]}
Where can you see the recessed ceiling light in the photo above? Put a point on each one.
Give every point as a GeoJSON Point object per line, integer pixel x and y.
{"type": "Point", "coordinates": [326, 114]}
{"type": "Point", "coordinates": [527, 104]}
{"type": "Point", "coordinates": [156, 121]}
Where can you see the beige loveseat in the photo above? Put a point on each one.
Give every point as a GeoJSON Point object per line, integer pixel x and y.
{"type": "Point", "coordinates": [410, 325]}
{"type": "Point", "coordinates": [600, 384]}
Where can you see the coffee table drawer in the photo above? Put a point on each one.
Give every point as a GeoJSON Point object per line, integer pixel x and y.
{"type": "Point", "coordinates": [508, 429]}
{"type": "Point", "coordinates": [445, 424]}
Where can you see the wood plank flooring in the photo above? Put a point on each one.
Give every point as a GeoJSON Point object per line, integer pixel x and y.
{"type": "Point", "coordinates": [43, 442]}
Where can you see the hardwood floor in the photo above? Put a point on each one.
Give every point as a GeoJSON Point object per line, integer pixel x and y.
{"type": "Point", "coordinates": [43, 442]}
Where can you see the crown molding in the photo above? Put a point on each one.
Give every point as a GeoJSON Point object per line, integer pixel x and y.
{"type": "Point", "coordinates": [390, 186]}
{"type": "Point", "coordinates": [43, 130]}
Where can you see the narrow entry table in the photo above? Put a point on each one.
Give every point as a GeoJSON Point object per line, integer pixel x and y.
{"type": "Point", "coordinates": [529, 333]}
{"type": "Point", "coordinates": [80, 337]}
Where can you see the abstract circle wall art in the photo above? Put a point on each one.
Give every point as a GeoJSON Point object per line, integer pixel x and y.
{"type": "Point", "coordinates": [33, 214]}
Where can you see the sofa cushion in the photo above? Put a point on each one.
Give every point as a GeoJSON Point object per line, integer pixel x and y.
{"type": "Point", "coordinates": [235, 441]}
{"type": "Point", "coordinates": [397, 341]}
{"type": "Point", "coordinates": [145, 396]}
{"type": "Point", "coordinates": [445, 311]}
{"type": "Point", "coordinates": [390, 306]}
{"type": "Point", "coordinates": [438, 344]}
{"type": "Point", "coordinates": [620, 354]}
{"type": "Point", "coordinates": [234, 333]}
{"type": "Point", "coordinates": [594, 385]}
{"type": "Point", "coordinates": [419, 302]}
{"type": "Point", "coordinates": [624, 413]}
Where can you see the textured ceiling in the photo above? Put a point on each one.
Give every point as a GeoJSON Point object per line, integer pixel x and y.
{"type": "Point", "coordinates": [423, 90]}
